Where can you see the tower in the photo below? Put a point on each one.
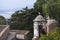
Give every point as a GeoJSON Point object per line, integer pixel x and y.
{"type": "Point", "coordinates": [39, 26]}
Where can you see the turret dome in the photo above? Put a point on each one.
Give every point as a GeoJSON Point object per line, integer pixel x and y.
{"type": "Point", "coordinates": [39, 18]}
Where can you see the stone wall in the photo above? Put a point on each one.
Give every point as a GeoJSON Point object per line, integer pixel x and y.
{"type": "Point", "coordinates": [51, 25]}
{"type": "Point", "coordinates": [4, 33]}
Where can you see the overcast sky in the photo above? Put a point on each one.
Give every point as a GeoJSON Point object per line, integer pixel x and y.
{"type": "Point", "coordinates": [14, 4]}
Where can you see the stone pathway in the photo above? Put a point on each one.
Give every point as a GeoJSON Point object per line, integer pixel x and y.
{"type": "Point", "coordinates": [11, 36]}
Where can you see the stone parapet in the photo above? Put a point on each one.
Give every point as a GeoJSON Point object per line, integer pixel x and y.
{"type": "Point", "coordinates": [4, 32]}
{"type": "Point", "coordinates": [35, 38]}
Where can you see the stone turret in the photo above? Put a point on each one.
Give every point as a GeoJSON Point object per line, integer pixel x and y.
{"type": "Point", "coordinates": [39, 18]}
{"type": "Point", "coordinates": [39, 24]}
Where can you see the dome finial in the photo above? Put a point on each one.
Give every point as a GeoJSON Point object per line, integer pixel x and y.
{"type": "Point", "coordinates": [48, 17]}
{"type": "Point", "coordinates": [39, 13]}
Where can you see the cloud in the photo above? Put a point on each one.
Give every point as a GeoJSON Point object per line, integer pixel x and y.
{"type": "Point", "coordinates": [6, 14]}
{"type": "Point", "coordinates": [7, 7]}
{"type": "Point", "coordinates": [11, 4]}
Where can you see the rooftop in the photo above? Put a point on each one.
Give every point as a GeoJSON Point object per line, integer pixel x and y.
{"type": "Point", "coordinates": [39, 18]}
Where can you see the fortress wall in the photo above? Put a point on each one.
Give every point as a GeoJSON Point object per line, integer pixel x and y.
{"type": "Point", "coordinates": [4, 33]}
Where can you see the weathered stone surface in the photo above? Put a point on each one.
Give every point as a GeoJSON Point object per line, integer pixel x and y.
{"type": "Point", "coordinates": [21, 34]}
{"type": "Point", "coordinates": [43, 26]}
{"type": "Point", "coordinates": [39, 25]}
{"type": "Point", "coordinates": [4, 32]}
{"type": "Point", "coordinates": [11, 36]}
{"type": "Point", "coordinates": [51, 25]}
{"type": "Point", "coordinates": [35, 38]}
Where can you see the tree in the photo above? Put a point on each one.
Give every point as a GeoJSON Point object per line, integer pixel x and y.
{"type": "Point", "coordinates": [52, 8]}
{"type": "Point", "coordinates": [48, 7]}
{"type": "Point", "coordinates": [23, 19]}
{"type": "Point", "coordinates": [2, 20]}
{"type": "Point", "coordinates": [38, 5]}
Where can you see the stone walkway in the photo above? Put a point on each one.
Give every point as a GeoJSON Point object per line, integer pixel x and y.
{"type": "Point", "coordinates": [11, 36]}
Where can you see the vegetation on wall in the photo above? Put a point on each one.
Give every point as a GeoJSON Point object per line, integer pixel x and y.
{"type": "Point", "coordinates": [52, 36]}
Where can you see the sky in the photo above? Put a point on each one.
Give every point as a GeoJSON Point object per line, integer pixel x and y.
{"type": "Point", "coordinates": [8, 7]}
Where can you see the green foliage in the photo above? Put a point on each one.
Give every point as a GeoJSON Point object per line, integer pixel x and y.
{"type": "Point", "coordinates": [43, 37]}
{"type": "Point", "coordinates": [2, 20]}
{"type": "Point", "coordinates": [48, 7]}
{"type": "Point", "coordinates": [38, 5]}
{"type": "Point", "coordinates": [52, 9]}
{"type": "Point", "coordinates": [45, 8]}
{"type": "Point", "coordinates": [23, 19]}
{"type": "Point", "coordinates": [52, 36]}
